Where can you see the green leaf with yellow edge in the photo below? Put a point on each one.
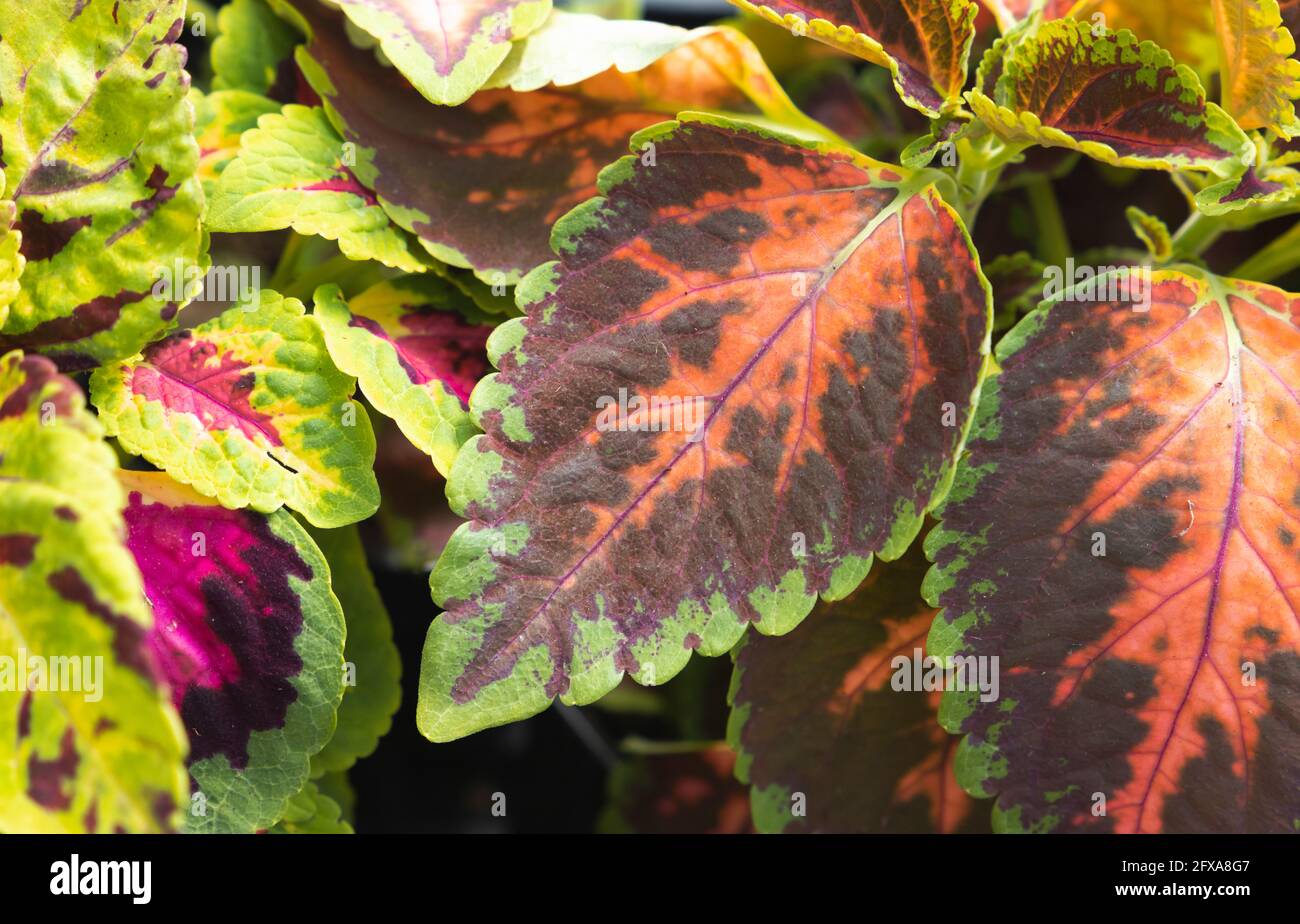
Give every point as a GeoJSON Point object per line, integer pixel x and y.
{"type": "Point", "coordinates": [446, 50]}
{"type": "Point", "coordinates": [1185, 30]}
{"type": "Point", "coordinates": [292, 172]}
{"type": "Point", "coordinates": [1152, 232]}
{"type": "Point", "coordinates": [925, 44]}
{"type": "Point", "coordinates": [248, 408]}
{"type": "Point", "coordinates": [1259, 76]}
{"type": "Point", "coordinates": [250, 640]}
{"type": "Point", "coordinates": [101, 164]}
{"type": "Point", "coordinates": [220, 120]}
{"type": "Point", "coordinates": [311, 811]}
{"type": "Point", "coordinates": [253, 47]}
{"type": "Point", "coordinates": [1118, 100]}
{"type": "Point", "coordinates": [93, 744]}
{"type": "Point", "coordinates": [372, 687]}
{"type": "Point", "coordinates": [1270, 185]}
{"type": "Point", "coordinates": [416, 357]}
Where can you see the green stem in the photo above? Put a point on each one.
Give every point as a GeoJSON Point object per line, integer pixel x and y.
{"type": "Point", "coordinates": [1053, 241]}
{"type": "Point", "coordinates": [286, 269]}
{"type": "Point", "coordinates": [1196, 235]}
{"type": "Point", "coordinates": [1277, 259]}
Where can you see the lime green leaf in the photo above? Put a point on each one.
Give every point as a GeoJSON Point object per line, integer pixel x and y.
{"type": "Point", "coordinates": [101, 161]}
{"type": "Point", "coordinates": [293, 171]}
{"type": "Point", "coordinates": [1118, 100]}
{"type": "Point", "coordinates": [104, 751]}
{"type": "Point", "coordinates": [252, 47]}
{"type": "Point", "coordinates": [337, 787]}
{"type": "Point", "coordinates": [11, 256]}
{"type": "Point", "coordinates": [447, 50]}
{"type": "Point", "coordinates": [249, 409]}
{"type": "Point", "coordinates": [1259, 76]}
{"type": "Point", "coordinates": [416, 358]}
{"type": "Point", "coordinates": [250, 639]}
{"type": "Point", "coordinates": [1151, 231]}
{"type": "Point", "coordinates": [372, 687]}
{"type": "Point", "coordinates": [311, 811]}
{"type": "Point", "coordinates": [220, 120]}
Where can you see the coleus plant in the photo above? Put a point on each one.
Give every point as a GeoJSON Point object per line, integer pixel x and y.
{"type": "Point", "coordinates": [698, 374]}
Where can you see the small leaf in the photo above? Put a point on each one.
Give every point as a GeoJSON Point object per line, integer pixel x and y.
{"type": "Point", "coordinates": [373, 669]}
{"type": "Point", "coordinates": [311, 811]}
{"type": "Point", "coordinates": [220, 120]}
{"type": "Point", "coordinates": [88, 742]}
{"type": "Point", "coordinates": [1152, 232]}
{"type": "Point", "coordinates": [827, 736]}
{"type": "Point", "coordinates": [521, 160]}
{"type": "Point", "coordinates": [1122, 536]}
{"type": "Point", "coordinates": [1117, 100]}
{"type": "Point", "coordinates": [448, 51]}
{"type": "Point", "coordinates": [1260, 78]}
{"type": "Point", "coordinates": [291, 173]}
{"type": "Point", "coordinates": [249, 409]}
{"type": "Point", "coordinates": [252, 48]}
{"type": "Point", "coordinates": [1269, 185]}
{"type": "Point", "coordinates": [413, 354]}
{"type": "Point", "coordinates": [748, 373]}
{"type": "Point", "coordinates": [101, 161]}
{"type": "Point", "coordinates": [692, 792]}
{"type": "Point", "coordinates": [924, 43]}
{"type": "Point", "coordinates": [250, 640]}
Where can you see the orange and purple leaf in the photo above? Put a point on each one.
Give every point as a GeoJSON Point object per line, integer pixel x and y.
{"type": "Point", "coordinates": [924, 43]}
{"type": "Point", "coordinates": [748, 373]}
{"type": "Point", "coordinates": [829, 738]}
{"type": "Point", "coordinates": [1122, 537]}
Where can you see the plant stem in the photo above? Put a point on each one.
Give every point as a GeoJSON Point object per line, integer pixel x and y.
{"type": "Point", "coordinates": [1053, 241]}
{"type": "Point", "coordinates": [286, 268]}
{"type": "Point", "coordinates": [1196, 235]}
{"type": "Point", "coordinates": [1280, 257]}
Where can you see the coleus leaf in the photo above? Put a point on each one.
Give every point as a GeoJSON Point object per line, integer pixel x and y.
{"type": "Point", "coordinates": [521, 160]}
{"type": "Point", "coordinates": [88, 741]}
{"type": "Point", "coordinates": [292, 172]}
{"type": "Point", "coordinates": [250, 639]}
{"type": "Point", "coordinates": [1116, 99]}
{"type": "Point", "coordinates": [1260, 78]}
{"type": "Point", "coordinates": [372, 689]}
{"type": "Point", "coordinates": [827, 740]}
{"type": "Point", "coordinates": [311, 811]}
{"type": "Point", "coordinates": [1121, 535]}
{"type": "Point", "coordinates": [252, 48]}
{"type": "Point", "coordinates": [1185, 30]}
{"type": "Point", "coordinates": [925, 44]}
{"type": "Point", "coordinates": [416, 358]}
{"type": "Point", "coordinates": [817, 323]}
{"type": "Point", "coordinates": [1271, 184]}
{"type": "Point", "coordinates": [447, 51]}
{"type": "Point", "coordinates": [1152, 232]}
{"type": "Point", "coordinates": [100, 160]}
{"type": "Point", "coordinates": [687, 792]}
{"type": "Point", "coordinates": [249, 409]}
{"type": "Point", "coordinates": [220, 120]}
{"type": "Point", "coordinates": [11, 255]}
{"type": "Point", "coordinates": [1017, 280]}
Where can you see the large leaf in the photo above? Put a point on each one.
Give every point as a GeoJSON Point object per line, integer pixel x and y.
{"type": "Point", "coordinates": [250, 639]}
{"type": "Point", "coordinates": [249, 409]}
{"type": "Point", "coordinates": [446, 50]}
{"type": "Point", "coordinates": [482, 184]}
{"type": "Point", "coordinates": [417, 359]}
{"type": "Point", "coordinates": [92, 745]}
{"type": "Point", "coordinates": [826, 736]}
{"type": "Point", "coordinates": [292, 172]}
{"type": "Point", "coordinates": [373, 690]}
{"type": "Point", "coordinates": [1260, 78]}
{"type": "Point", "coordinates": [1116, 99]}
{"type": "Point", "coordinates": [101, 164]}
{"type": "Point", "coordinates": [1185, 30]}
{"type": "Point", "coordinates": [924, 43]}
{"type": "Point", "coordinates": [810, 326]}
{"type": "Point", "coordinates": [11, 255]}
{"type": "Point", "coordinates": [1122, 536]}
